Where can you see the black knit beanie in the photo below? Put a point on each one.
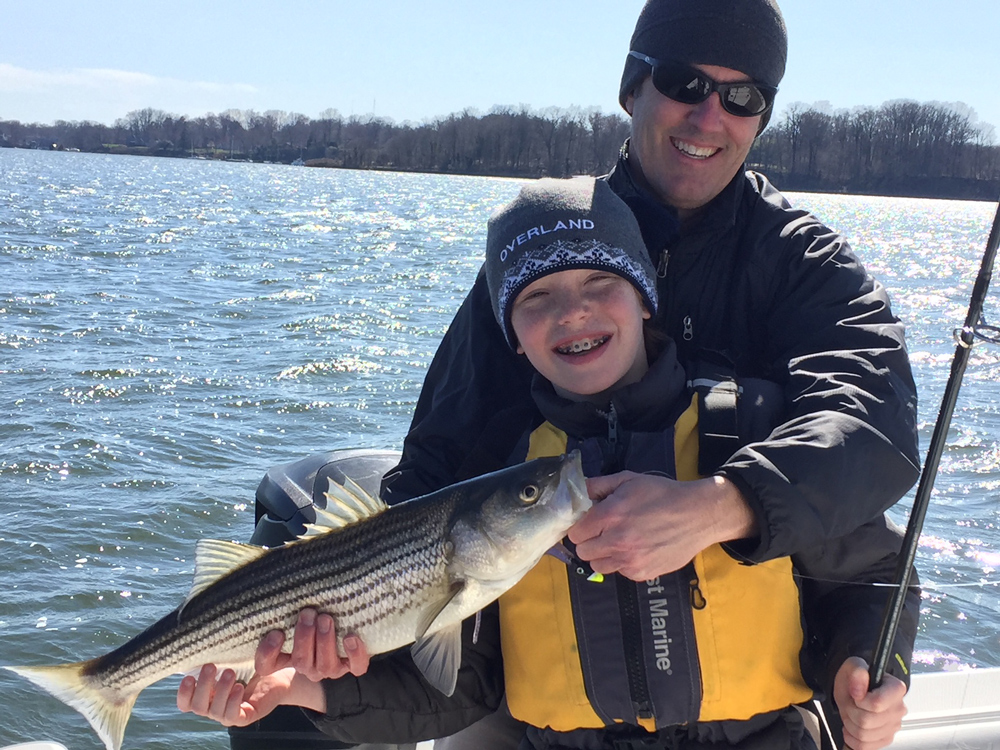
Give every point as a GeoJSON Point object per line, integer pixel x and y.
{"type": "Point", "coordinates": [555, 225]}
{"type": "Point", "coordinates": [744, 35]}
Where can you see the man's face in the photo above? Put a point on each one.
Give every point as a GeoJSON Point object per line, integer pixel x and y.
{"type": "Point", "coordinates": [687, 153]}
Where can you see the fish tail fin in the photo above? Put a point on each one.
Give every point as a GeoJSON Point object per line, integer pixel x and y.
{"type": "Point", "coordinates": [107, 712]}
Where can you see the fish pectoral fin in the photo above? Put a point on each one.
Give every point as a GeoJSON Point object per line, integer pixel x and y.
{"type": "Point", "coordinates": [214, 559]}
{"type": "Point", "coordinates": [438, 657]}
{"type": "Point", "coordinates": [430, 615]}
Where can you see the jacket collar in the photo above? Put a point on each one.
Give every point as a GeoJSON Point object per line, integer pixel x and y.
{"type": "Point", "coordinates": [659, 223]}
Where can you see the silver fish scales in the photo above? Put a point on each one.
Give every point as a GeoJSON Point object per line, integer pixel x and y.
{"type": "Point", "coordinates": [394, 576]}
{"type": "Point", "coordinates": [362, 576]}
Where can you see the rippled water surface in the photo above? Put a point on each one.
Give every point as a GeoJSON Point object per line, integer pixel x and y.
{"type": "Point", "coordinates": [172, 328]}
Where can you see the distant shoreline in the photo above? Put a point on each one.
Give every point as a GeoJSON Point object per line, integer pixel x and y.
{"type": "Point", "coordinates": [902, 148]}
{"type": "Point", "coordinates": [940, 189]}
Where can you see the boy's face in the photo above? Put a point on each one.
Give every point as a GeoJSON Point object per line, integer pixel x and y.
{"type": "Point", "coordinates": [582, 330]}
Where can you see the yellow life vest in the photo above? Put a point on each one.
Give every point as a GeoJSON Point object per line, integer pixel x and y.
{"type": "Point", "coordinates": [563, 662]}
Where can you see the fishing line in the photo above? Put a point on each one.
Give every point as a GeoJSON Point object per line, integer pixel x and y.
{"type": "Point", "coordinates": [932, 586]}
{"type": "Point", "coordinates": [975, 327]}
{"type": "Point", "coordinates": [923, 585]}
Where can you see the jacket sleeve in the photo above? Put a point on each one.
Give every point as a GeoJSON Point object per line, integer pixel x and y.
{"type": "Point", "coordinates": [847, 448]}
{"type": "Point", "coordinates": [393, 703]}
{"type": "Point", "coordinates": [474, 405]}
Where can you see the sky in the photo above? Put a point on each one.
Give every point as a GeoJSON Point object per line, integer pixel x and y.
{"type": "Point", "coordinates": [417, 60]}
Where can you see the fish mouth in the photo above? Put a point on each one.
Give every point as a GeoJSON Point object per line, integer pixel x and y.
{"type": "Point", "coordinates": [582, 346]}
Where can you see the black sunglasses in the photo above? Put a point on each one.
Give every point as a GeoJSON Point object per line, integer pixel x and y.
{"type": "Point", "coordinates": [688, 85]}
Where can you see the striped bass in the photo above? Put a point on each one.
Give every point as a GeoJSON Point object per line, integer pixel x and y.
{"type": "Point", "coordinates": [394, 576]}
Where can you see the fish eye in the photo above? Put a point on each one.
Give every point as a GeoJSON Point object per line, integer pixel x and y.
{"type": "Point", "coordinates": [529, 494]}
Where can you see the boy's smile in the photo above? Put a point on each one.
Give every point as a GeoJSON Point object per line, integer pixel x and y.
{"type": "Point", "coordinates": [582, 330]}
{"type": "Point", "coordinates": [583, 346]}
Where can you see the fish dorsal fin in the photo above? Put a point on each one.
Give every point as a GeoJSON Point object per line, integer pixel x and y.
{"type": "Point", "coordinates": [350, 502]}
{"type": "Point", "coordinates": [346, 504]}
{"type": "Point", "coordinates": [214, 559]}
{"type": "Point", "coordinates": [439, 656]}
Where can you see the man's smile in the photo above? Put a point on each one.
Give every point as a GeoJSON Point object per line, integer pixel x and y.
{"type": "Point", "coordinates": [696, 152]}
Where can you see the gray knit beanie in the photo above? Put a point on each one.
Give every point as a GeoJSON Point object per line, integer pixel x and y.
{"type": "Point", "coordinates": [555, 225]}
{"type": "Point", "coordinates": [744, 35]}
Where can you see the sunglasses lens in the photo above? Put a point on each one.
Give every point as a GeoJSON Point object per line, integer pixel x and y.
{"type": "Point", "coordinates": [688, 86]}
{"type": "Point", "coordinates": [681, 83]}
{"type": "Point", "coordinates": [743, 99]}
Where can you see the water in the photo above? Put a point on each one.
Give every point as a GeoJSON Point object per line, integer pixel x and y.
{"type": "Point", "coordinates": [172, 328]}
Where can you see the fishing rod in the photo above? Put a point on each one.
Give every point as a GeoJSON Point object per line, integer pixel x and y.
{"type": "Point", "coordinates": [975, 328]}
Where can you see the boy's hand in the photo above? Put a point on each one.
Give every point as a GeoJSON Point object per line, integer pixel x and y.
{"type": "Point", "coordinates": [871, 720]}
{"type": "Point", "coordinates": [280, 679]}
{"type": "Point", "coordinates": [233, 705]}
{"type": "Point", "coordinates": [314, 651]}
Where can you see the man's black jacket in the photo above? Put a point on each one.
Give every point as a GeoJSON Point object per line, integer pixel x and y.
{"type": "Point", "coordinates": [754, 282]}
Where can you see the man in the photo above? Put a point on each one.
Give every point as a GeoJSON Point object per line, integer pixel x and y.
{"type": "Point", "coordinates": [746, 280]}
{"type": "Point", "coordinates": [748, 286]}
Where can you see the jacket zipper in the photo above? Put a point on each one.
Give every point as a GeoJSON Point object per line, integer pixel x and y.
{"type": "Point", "coordinates": [628, 606]}
{"type": "Point", "coordinates": [638, 688]}
{"type": "Point", "coordinates": [612, 417]}
{"type": "Point", "coordinates": [661, 273]}
{"type": "Point", "coordinates": [661, 266]}
{"type": "Point", "coordinates": [628, 602]}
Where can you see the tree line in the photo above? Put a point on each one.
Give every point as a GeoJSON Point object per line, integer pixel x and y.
{"type": "Point", "coordinates": [899, 148]}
